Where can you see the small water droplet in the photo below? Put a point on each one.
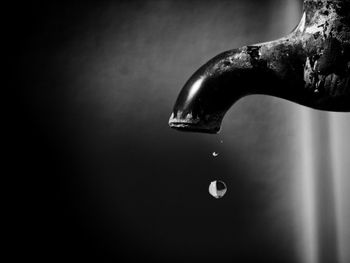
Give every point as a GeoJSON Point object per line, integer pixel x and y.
{"type": "Point", "coordinates": [215, 154]}
{"type": "Point", "coordinates": [221, 141]}
{"type": "Point", "coordinates": [217, 189]}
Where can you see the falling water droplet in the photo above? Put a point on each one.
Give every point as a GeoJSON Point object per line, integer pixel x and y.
{"type": "Point", "coordinates": [217, 189]}
{"type": "Point", "coordinates": [215, 154]}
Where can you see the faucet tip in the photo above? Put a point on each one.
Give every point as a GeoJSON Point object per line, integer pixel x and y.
{"type": "Point", "coordinates": [190, 123]}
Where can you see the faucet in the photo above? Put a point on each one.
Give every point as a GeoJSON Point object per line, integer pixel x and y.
{"type": "Point", "coordinates": [310, 66]}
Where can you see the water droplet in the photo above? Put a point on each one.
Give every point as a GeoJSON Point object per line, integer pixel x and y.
{"type": "Point", "coordinates": [215, 154]}
{"type": "Point", "coordinates": [217, 189]}
{"type": "Point", "coordinates": [221, 141]}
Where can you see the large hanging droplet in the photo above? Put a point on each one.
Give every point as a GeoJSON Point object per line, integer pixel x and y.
{"type": "Point", "coordinates": [217, 189]}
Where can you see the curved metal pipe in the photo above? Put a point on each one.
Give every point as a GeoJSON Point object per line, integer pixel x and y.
{"type": "Point", "coordinates": [310, 66]}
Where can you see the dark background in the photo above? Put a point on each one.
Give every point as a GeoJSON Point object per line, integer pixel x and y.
{"type": "Point", "coordinates": [102, 176]}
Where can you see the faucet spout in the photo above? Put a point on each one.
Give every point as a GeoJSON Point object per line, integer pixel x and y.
{"type": "Point", "coordinates": [214, 88]}
{"type": "Point", "coordinates": [310, 66]}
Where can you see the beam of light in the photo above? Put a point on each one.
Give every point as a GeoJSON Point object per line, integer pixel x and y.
{"type": "Point", "coordinates": [340, 152]}
{"type": "Point", "coordinates": [324, 188]}
{"type": "Point", "coordinates": [307, 192]}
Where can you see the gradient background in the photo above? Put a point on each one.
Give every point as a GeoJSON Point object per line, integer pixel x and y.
{"type": "Point", "coordinates": [106, 180]}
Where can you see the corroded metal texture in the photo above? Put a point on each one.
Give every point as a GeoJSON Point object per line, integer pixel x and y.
{"type": "Point", "coordinates": [310, 66]}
